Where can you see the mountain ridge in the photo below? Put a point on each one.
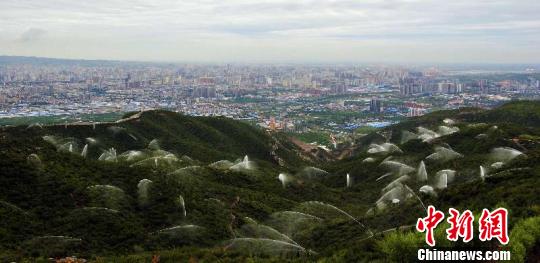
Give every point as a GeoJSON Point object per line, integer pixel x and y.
{"type": "Point", "coordinates": [200, 181]}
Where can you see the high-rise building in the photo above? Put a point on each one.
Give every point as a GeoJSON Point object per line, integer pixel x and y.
{"type": "Point", "coordinates": [449, 87]}
{"type": "Point", "coordinates": [204, 92]}
{"type": "Point", "coordinates": [409, 86]}
{"type": "Point", "coordinates": [339, 88]}
{"type": "Point", "coordinates": [376, 106]}
{"type": "Point", "coordinates": [126, 81]}
{"type": "Point", "coordinates": [483, 85]}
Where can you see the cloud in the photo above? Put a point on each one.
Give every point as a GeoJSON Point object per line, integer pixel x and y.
{"type": "Point", "coordinates": [32, 35]}
{"type": "Point", "coordinates": [132, 28]}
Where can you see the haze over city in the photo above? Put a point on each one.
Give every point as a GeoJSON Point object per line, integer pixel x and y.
{"type": "Point", "coordinates": [411, 31]}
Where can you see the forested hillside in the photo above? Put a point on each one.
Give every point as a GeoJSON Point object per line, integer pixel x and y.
{"type": "Point", "coordinates": [211, 189]}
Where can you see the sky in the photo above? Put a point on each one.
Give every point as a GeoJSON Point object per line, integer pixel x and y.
{"type": "Point", "coordinates": [275, 31]}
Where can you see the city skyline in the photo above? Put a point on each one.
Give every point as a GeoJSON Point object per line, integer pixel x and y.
{"type": "Point", "coordinates": [412, 31]}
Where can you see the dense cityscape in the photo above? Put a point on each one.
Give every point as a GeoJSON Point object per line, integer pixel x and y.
{"type": "Point", "coordinates": [335, 99]}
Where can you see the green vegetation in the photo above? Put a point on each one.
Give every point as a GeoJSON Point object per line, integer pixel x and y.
{"type": "Point", "coordinates": [179, 187]}
{"type": "Point", "coordinates": [525, 236]}
{"type": "Point", "coordinates": [61, 119]}
{"type": "Point", "coordinates": [322, 138]}
{"type": "Point", "coordinates": [366, 130]}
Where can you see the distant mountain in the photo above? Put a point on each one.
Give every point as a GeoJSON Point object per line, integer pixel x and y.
{"type": "Point", "coordinates": [47, 61]}
{"type": "Point", "coordinates": [14, 60]}
{"type": "Point", "coordinates": [202, 188]}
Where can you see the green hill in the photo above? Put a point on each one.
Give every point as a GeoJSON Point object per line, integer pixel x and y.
{"type": "Point", "coordinates": [201, 138]}
{"type": "Point", "coordinates": [162, 183]}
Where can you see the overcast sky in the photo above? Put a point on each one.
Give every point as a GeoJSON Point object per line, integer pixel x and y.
{"type": "Point", "coordinates": [402, 31]}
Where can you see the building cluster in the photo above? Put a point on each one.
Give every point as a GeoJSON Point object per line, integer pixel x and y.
{"type": "Point", "coordinates": [277, 97]}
